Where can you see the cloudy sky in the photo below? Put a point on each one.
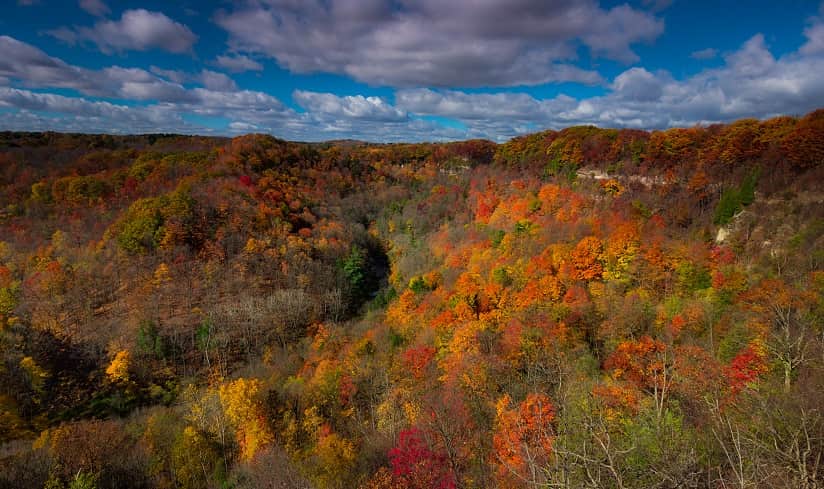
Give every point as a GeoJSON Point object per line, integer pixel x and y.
{"type": "Point", "coordinates": [389, 70]}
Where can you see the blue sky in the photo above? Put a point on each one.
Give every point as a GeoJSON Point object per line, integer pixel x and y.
{"type": "Point", "coordinates": [403, 70]}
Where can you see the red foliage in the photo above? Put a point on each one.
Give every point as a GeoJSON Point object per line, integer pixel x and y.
{"type": "Point", "coordinates": [246, 181]}
{"type": "Point", "coordinates": [416, 466]}
{"type": "Point", "coordinates": [416, 360]}
{"type": "Point", "coordinates": [746, 367]}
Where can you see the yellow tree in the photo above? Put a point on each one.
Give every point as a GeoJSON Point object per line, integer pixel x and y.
{"type": "Point", "coordinates": [118, 369]}
{"type": "Point", "coordinates": [242, 400]}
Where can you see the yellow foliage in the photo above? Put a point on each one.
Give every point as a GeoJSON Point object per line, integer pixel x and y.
{"type": "Point", "coordinates": [118, 369]}
{"type": "Point", "coordinates": [242, 400]}
{"type": "Point", "coordinates": [412, 411]}
{"type": "Point", "coordinates": [255, 246]}
{"type": "Point", "coordinates": [335, 459]}
{"type": "Point", "coordinates": [613, 187]}
{"type": "Point", "coordinates": [11, 424]}
{"type": "Point", "coordinates": [37, 375]}
{"type": "Point", "coordinates": [162, 275]}
{"type": "Point", "coordinates": [391, 413]}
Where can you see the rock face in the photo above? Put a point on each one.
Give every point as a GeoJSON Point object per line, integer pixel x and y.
{"type": "Point", "coordinates": [723, 234]}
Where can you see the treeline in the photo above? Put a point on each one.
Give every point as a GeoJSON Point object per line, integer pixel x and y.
{"type": "Point", "coordinates": [577, 308]}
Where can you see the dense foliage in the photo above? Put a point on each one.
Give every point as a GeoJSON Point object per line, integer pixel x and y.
{"type": "Point", "coordinates": [575, 308]}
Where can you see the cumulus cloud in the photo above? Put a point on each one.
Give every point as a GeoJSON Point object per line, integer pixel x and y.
{"type": "Point", "coordinates": [238, 63]}
{"type": "Point", "coordinates": [137, 84]}
{"type": "Point", "coordinates": [815, 37]}
{"type": "Point", "coordinates": [510, 107]}
{"type": "Point", "coordinates": [638, 84]}
{"type": "Point", "coordinates": [95, 7]}
{"type": "Point", "coordinates": [79, 114]}
{"type": "Point", "coordinates": [751, 83]}
{"type": "Point", "coordinates": [36, 69]}
{"type": "Point", "coordinates": [437, 43]}
{"type": "Point", "coordinates": [349, 107]}
{"type": "Point", "coordinates": [137, 30]}
{"type": "Point", "coordinates": [217, 81]}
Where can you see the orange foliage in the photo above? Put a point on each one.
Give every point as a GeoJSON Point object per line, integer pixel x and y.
{"type": "Point", "coordinates": [586, 259]}
{"type": "Point", "coordinates": [617, 397]}
{"type": "Point", "coordinates": [524, 435]}
{"type": "Point", "coordinates": [639, 362]}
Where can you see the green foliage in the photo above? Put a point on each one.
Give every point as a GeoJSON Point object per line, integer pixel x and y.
{"type": "Point", "coordinates": [418, 285]}
{"type": "Point", "coordinates": [560, 168]}
{"type": "Point", "coordinates": [383, 298]}
{"type": "Point", "coordinates": [497, 236]}
{"type": "Point", "coordinates": [357, 268]}
{"type": "Point", "coordinates": [641, 209]}
{"type": "Point", "coordinates": [202, 334]}
{"type": "Point", "coordinates": [523, 226]}
{"type": "Point", "coordinates": [140, 229]}
{"type": "Point", "coordinates": [79, 190]}
{"type": "Point", "coordinates": [149, 340]}
{"type": "Point", "coordinates": [9, 297]}
{"type": "Point", "coordinates": [354, 270]}
{"type": "Point", "coordinates": [502, 276]}
{"type": "Point", "coordinates": [692, 277]}
{"type": "Point", "coordinates": [143, 166]}
{"type": "Point", "coordinates": [396, 340]}
{"type": "Point", "coordinates": [145, 225]}
{"type": "Point", "coordinates": [734, 199]}
{"type": "Point", "coordinates": [728, 205]}
{"type": "Point", "coordinates": [41, 192]}
{"type": "Point", "coordinates": [195, 460]}
{"type": "Point", "coordinates": [734, 341]}
{"type": "Point", "coordinates": [83, 480]}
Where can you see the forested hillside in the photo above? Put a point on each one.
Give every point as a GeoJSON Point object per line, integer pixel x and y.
{"type": "Point", "coordinates": [577, 308]}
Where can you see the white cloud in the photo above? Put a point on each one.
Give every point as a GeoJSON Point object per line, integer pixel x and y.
{"type": "Point", "coordinates": [78, 114]}
{"type": "Point", "coordinates": [138, 84]}
{"type": "Point", "coordinates": [217, 81]}
{"type": "Point", "coordinates": [815, 37]}
{"type": "Point", "coordinates": [176, 76]}
{"type": "Point", "coordinates": [638, 84]}
{"type": "Point", "coordinates": [137, 30]}
{"type": "Point", "coordinates": [35, 68]}
{"type": "Point", "coordinates": [95, 7]}
{"type": "Point", "coordinates": [242, 127]}
{"type": "Point", "coordinates": [455, 104]}
{"type": "Point", "coordinates": [438, 43]}
{"type": "Point", "coordinates": [238, 63]}
{"type": "Point", "coordinates": [751, 82]}
{"type": "Point", "coordinates": [348, 107]}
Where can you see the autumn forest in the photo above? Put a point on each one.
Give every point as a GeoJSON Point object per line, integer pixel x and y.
{"type": "Point", "coordinates": [583, 308]}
